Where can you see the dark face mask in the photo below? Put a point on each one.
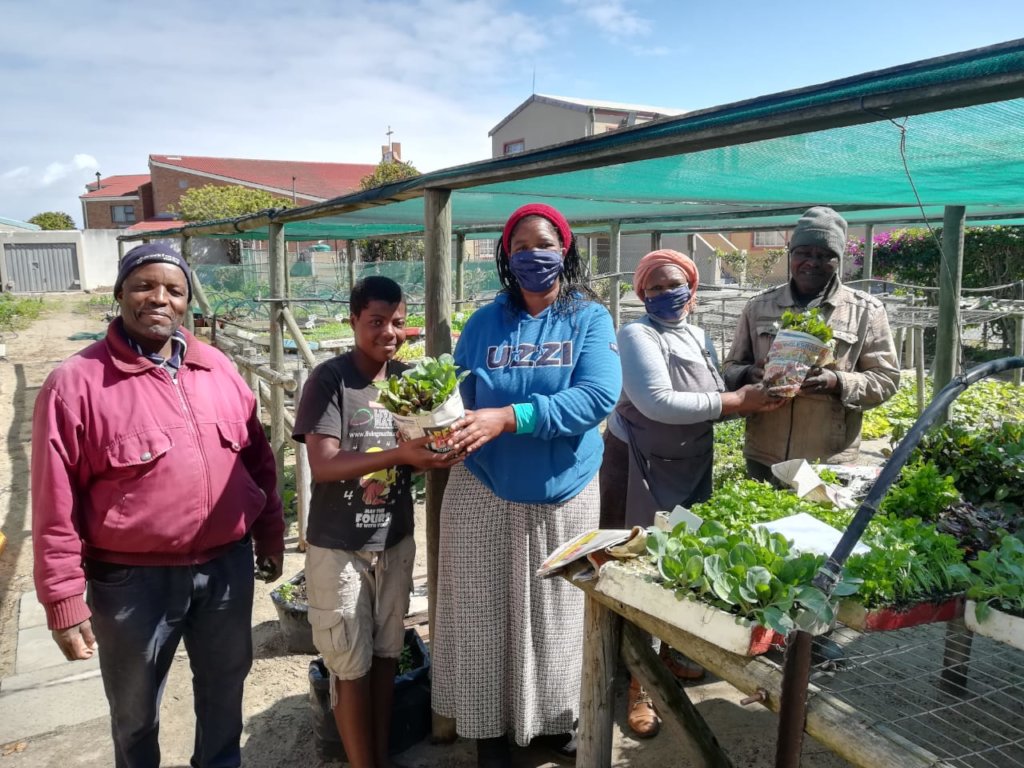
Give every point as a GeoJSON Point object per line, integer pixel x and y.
{"type": "Point", "coordinates": [536, 271]}
{"type": "Point", "coordinates": [668, 305]}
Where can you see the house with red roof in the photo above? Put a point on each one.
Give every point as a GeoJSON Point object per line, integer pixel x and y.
{"type": "Point", "coordinates": [148, 201]}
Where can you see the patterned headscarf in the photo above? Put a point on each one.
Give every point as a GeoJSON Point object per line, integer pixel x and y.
{"type": "Point", "coordinates": [666, 257]}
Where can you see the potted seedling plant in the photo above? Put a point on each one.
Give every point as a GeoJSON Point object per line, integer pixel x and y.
{"type": "Point", "coordinates": [293, 614]}
{"type": "Point", "coordinates": [804, 341]}
{"type": "Point", "coordinates": [425, 400]}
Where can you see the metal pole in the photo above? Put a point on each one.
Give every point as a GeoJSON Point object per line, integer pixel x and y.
{"type": "Point", "coordinates": [919, 366]}
{"type": "Point", "coordinates": [1018, 346]}
{"type": "Point", "coordinates": [655, 241]}
{"type": "Point", "coordinates": [869, 253]}
{"type": "Point", "coordinates": [796, 672]}
{"type": "Point", "coordinates": [437, 256]}
{"type": "Point", "coordinates": [951, 264]}
{"type": "Point", "coordinates": [615, 265]}
{"type": "Point", "coordinates": [278, 438]}
{"type": "Point", "coordinates": [460, 269]}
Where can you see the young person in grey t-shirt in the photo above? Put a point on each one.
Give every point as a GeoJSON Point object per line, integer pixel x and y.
{"type": "Point", "coordinates": [361, 548]}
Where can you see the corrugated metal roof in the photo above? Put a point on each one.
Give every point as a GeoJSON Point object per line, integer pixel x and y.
{"type": "Point", "coordinates": [15, 224]}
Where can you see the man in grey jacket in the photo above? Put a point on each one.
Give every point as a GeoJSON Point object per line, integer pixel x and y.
{"type": "Point", "coordinates": [823, 422]}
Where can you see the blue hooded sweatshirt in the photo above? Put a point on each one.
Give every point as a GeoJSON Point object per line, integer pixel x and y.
{"type": "Point", "coordinates": [567, 365]}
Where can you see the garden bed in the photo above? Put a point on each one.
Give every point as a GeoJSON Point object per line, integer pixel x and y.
{"type": "Point", "coordinates": [730, 633]}
{"type": "Point", "coordinates": [1004, 627]}
{"type": "Point", "coordinates": [856, 616]}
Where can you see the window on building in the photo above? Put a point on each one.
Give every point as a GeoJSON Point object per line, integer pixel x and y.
{"type": "Point", "coordinates": [122, 214]}
{"type": "Point", "coordinates": [769, 239]}
{"type": "Point", "coordinates": [483, 249]}
{"type": "Point", "coordinates": [512, 147]}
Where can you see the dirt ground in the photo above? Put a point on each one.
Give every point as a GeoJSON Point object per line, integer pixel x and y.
{"type": "Point", "coordinates": [278, 725]}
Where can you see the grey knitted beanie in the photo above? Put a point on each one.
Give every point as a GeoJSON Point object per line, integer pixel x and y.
{"type": "Point", "coordinates": [820, 226]}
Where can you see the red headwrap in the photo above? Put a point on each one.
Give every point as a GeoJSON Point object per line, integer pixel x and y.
{"type": "Point", "coordinates": [666, 257]}
{"type": "Point", "coordinates": [536, 209]}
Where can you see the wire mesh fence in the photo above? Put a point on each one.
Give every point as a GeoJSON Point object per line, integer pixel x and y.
{"type": "Point", "coordinates": [955, 695]}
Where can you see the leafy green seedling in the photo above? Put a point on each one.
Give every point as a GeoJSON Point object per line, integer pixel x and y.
{"type": "Point", "coordinates": [422, 388]}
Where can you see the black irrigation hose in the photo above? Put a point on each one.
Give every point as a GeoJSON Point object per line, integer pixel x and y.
{"type": "Point", "coordinates": [830, 571]}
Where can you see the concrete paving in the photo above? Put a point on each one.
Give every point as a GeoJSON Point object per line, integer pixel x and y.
{"type": "Point", "coordinates": [46, 692]}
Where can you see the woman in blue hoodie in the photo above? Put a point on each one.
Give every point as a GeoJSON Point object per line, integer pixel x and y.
{"type": "Point", "coordinates": [544, 372]}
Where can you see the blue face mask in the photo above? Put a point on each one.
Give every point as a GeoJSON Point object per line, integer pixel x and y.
{"type": "Point", "coordinates": [668, 305]}
{"type": "Point", "coordinates": [536, 271]}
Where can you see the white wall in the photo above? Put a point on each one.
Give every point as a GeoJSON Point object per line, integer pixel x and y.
{"type": "Point", "coordinates": [97, 251]}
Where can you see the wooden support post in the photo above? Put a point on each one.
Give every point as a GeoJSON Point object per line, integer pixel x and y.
{"type": "Point", "coordinates": [460, 269]}
{"type": "Point", "coordinates": [869, 254]}
{"type": "Point", "coordinates": [951, 262]}
{"type": "Point", "coordinates": [199, 294]}
{"type": "Point", "coordinates": [601, 631]}
{"type": "Point", "coordinates": [901, 334]}
{"type": "Point", "coordinates": [668, 696]}
{"type": "Point", "coordinates": [298, 337]}
{"type": "Point", "coordinates": [352, 252]}
{"type": "Point", "coordinates": [592, 259]}
{"type": "Point", "coordinates": [186, 254]}
{"type": "Point", "coordinates": [614, 266]}
{"type": "Point", "coordinates": [278, 436]}
{"type": "Point", "coordinates": [919, 366]}
{"type": "Point", "coordinates": [303, 475]}
{"type": "Point", "coordinates": [1018, 345]}
{"type": "Point", "coordinates": [437, 257]}
{"type": "Point", "coordinates": [252, 380]}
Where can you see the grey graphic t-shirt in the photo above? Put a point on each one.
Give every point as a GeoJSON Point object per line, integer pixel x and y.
{"type": "Point", "coordinates": [373, 512]}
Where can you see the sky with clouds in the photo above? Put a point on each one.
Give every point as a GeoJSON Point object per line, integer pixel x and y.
{"type": "Point", "coordinates": [99, 86]}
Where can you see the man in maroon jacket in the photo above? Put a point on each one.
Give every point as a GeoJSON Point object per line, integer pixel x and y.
{"type": "Point", "coordinates": [152, 484]}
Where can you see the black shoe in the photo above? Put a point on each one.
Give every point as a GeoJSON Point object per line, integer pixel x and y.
{"type": "Point", "coordinates": [563, 745]}
{"type": "Point", "coordinates": [493, 753]}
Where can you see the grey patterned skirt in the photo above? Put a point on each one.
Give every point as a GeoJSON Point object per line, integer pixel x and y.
{"type": "Point", "coordinates": [507, 647]}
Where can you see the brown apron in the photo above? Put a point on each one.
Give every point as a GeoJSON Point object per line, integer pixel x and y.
{"type": "Point", "coordinates": [671, 464]}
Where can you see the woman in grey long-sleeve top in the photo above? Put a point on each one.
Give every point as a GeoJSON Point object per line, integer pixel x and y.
{"type": "Point", "coordinates": [659, 443]}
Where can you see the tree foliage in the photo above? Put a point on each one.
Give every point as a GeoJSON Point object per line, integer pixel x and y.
{"type": "Point", "coordinates": [212, 201]}
{"type": "Point", "coordinates": [53, 220]}
{"type": "Point", "coordinates": [388, 172]}
{"type": "Point", "coordinates": [992, 256]}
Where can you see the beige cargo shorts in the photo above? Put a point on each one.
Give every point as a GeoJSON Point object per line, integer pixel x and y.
{"type": "Point", "coordinates": [357, 605]}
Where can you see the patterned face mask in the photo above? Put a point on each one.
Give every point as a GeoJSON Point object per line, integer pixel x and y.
{"type": "Point", "coordinates": [536, 271]}
{"type": "Point", "coordinates": [668, 305]}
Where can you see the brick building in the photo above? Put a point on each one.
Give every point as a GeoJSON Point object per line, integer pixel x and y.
{"type": "Point", "coordinates": [148, 201]}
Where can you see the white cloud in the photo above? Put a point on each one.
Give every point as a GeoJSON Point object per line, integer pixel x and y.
{"type": "Point", "coordinates": [612, 17]}
{"type": "Point", "coordinates": [57, 171]}
{"type": "Point", "coordinates": [16, 173]}
{"type": "Point", "coordinates": [316, 80]}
